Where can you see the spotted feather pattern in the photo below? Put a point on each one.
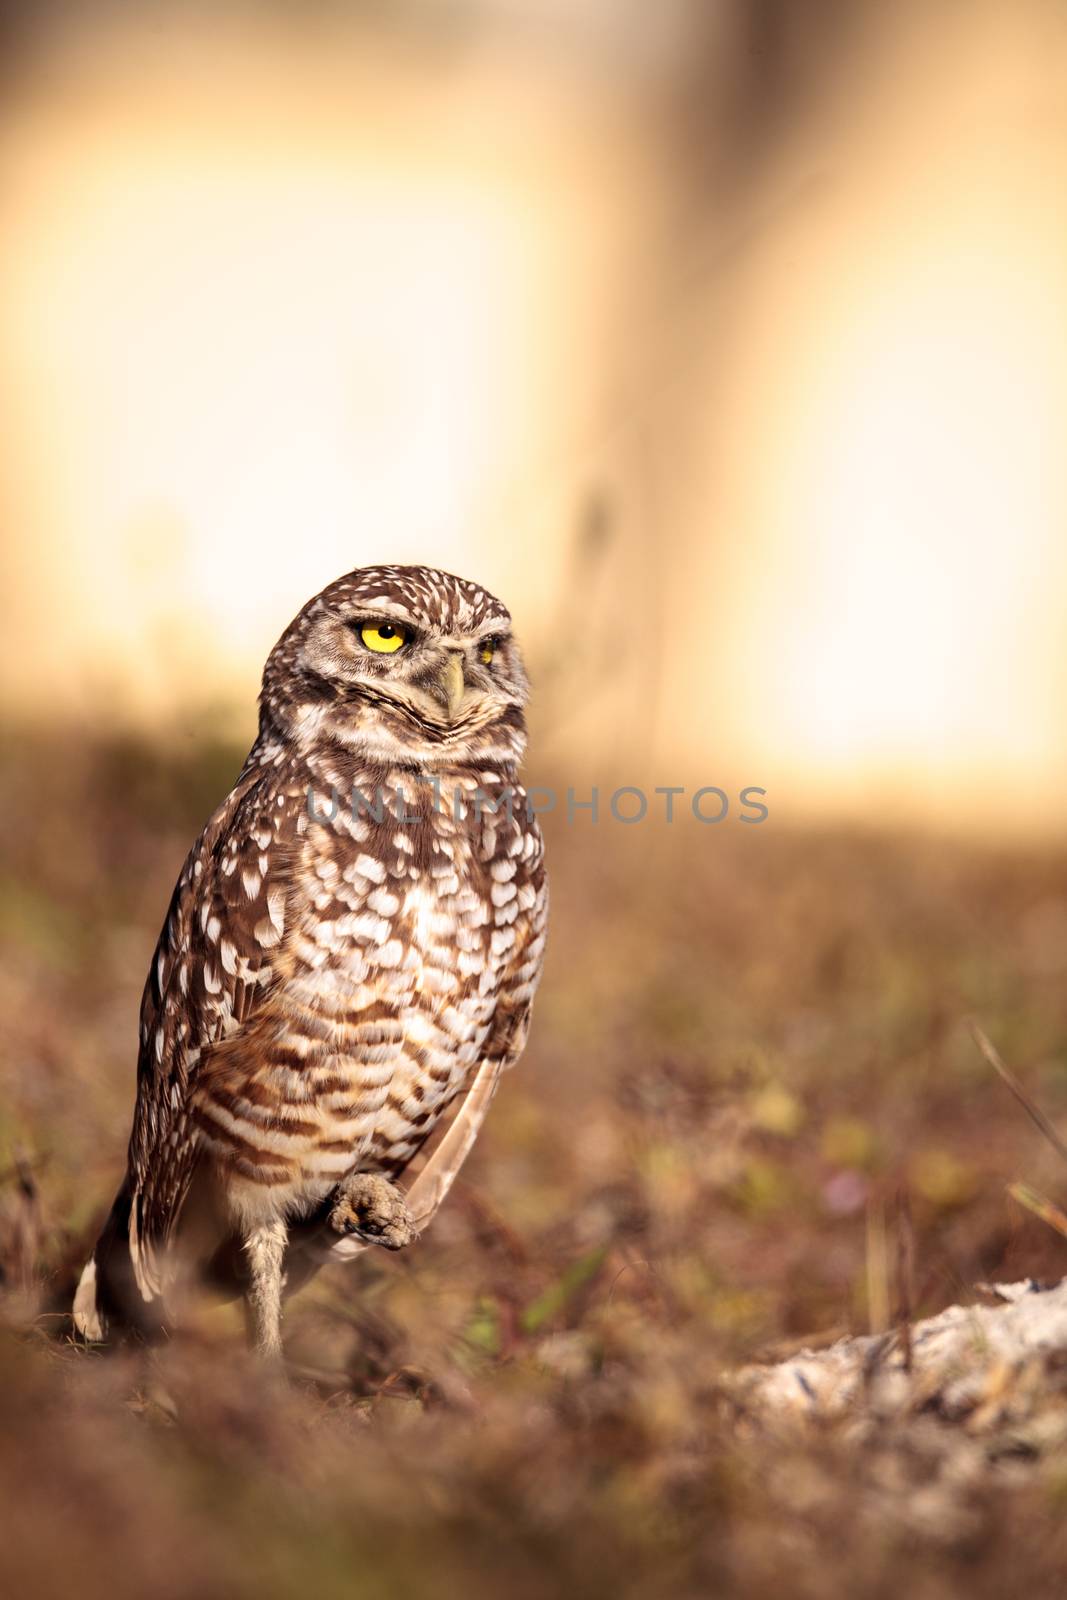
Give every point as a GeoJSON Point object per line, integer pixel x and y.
{"type": "Point", "coordinates": [354, 932]}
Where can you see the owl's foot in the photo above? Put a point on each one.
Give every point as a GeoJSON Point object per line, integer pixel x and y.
{"type": "Point", "coordinates": [369, 1207]}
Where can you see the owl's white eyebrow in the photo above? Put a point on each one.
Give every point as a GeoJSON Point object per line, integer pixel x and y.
{"type": "Point", "coordinates": [380, 613]}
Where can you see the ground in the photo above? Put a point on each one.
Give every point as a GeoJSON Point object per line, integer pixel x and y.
{"type": "Point", "coordinates": [750, 1095]}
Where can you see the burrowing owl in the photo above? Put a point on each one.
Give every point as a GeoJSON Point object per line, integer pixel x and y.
{"type": "Point", "coordinates": [357, 931]}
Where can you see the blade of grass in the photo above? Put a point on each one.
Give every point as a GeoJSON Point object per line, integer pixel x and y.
{"type": "Point", "coordinates": [1033, 1111]}
{"type": "Point", "coordinates": [877, 1269]}
{"type": "Point", "coordinates": [1047, 1210]}
{"type": "Point", "coordinates": [905, 1273]}
{"type": "Point", "coordinates": [554, 1299]}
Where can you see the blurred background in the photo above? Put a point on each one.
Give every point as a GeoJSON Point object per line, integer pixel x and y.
{"type": "Point", "coordinates": [726, 340]}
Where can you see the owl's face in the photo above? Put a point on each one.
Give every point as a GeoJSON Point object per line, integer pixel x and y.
{"type": "Point", "coordinates": [403, 664]}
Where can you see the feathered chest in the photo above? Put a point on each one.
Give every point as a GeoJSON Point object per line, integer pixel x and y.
{"type": "Point", "coordinates": [403, 917]}
{"type": "Point", "coordinates": [416, 896]}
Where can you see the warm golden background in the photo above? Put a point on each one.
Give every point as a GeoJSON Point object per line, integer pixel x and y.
{"type": "Point", "coordinates": [727, 341]}
{"type": "Point", "coordinates": [768, 297]}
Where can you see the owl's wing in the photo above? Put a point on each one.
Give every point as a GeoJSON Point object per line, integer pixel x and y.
{"type": "Point", "coordinates": [213, 965]}
{"type": "Point", "coordinates": [526, 952]}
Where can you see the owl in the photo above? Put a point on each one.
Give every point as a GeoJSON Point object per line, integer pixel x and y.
{"type": "Point", "coordinates": [356, 935]}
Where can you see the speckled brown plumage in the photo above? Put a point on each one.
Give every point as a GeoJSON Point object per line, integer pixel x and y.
{"type": "Point", "coordinates": [359, 926]}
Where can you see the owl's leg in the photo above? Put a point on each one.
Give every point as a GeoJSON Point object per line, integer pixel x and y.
{"type": "Point", "coordinates": [369, 1206]}
{"type": "Point", "coordinates": [265, 1249]}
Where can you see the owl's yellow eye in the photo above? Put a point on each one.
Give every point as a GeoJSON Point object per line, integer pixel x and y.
{"type": "Point", "coordinates": [384, 638]}
{"type": "Point", "coordinates": [487, 650]}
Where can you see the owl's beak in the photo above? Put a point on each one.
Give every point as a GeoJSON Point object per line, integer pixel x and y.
{"type": "Point", "coordinates": [453, 683]}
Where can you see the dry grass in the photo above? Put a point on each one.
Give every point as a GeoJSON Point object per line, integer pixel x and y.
{"type": "Point", "coordinates": [749, 1045]}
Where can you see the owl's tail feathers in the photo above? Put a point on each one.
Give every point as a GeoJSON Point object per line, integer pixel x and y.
{"type": "Point", "coordinates": [90, 1318]}
{"type": "Point", "coordinates": [109, 1301]}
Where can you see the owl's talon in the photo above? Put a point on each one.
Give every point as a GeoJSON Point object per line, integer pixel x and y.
{"type": "Point", "coordinates": [372, 1209]}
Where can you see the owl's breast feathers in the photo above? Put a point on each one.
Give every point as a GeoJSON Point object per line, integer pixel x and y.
{"type": "Point", "coordinates": [322, 989]}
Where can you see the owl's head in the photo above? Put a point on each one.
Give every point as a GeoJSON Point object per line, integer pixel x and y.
{"type": "Point", "coordinates": [404, 665]}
